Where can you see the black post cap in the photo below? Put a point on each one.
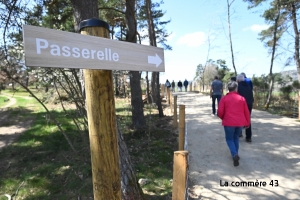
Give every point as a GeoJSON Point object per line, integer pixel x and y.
{"type": "Point", "coordinates": [93, 22]}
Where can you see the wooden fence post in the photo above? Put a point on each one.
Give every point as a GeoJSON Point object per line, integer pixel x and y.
{"type": "Point", "coordinates": [179, 175]}
{"type": "Point", "coordinates": [168, 95]}
{"type": "Point", "coordinates": [255, 99]}
{"type": "Point", "coordinates": [181, 127]}
{"type": "Point", "coordinates": [298, 104]}
{"type": "Point", "coordinates": [102, 122]}
{"type": "Point", "coordinates": [171, 101]}
{"type": "Point", "coordinates": [175, 112]}
{"type": "Point", "coordinates": [191, 87]}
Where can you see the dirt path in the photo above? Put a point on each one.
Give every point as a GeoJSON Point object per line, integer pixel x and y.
{"type": "Point", "coordinates": [11, 126]}
{"type": "Point", "coordinates": [10, 103]}
{"type": "Point", "coordinates": [273, 157]}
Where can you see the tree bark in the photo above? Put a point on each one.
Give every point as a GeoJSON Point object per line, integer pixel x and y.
{"type": "Point", "coordinates": [131, 189]}
{"type": "Point", "coordinates": [138, 118]}
{"type": "Point", "coordinates": [155, 86]}
{"type": "Point", "coordinates": [149, 100]}
{"type": "Point", "coordinates": [229, 34]}
{"type": "Point", "coordinates": [271, 83]}
{"type": "Point", "coordinates": [117, 84]}
{"type": "Point", "coordinates": [297, 53]}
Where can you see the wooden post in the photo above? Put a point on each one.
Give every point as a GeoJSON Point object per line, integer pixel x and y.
{"type": "Point", "coordinates": [181, 127]}
{"type": "Point", "coordinates": [191, 87]}
{"type": "Point", "coordinates": [171, 101]}
{"type": "Point", "coordinates": [175, 112]}
{"type": "Point", "coordinates": [255, 99]}
{"type": "Point", "coordinates": [163, 89]}
{"type": "Point", "coordinates": [298, 104]}
{"type": "Point", "coordinates": [179, 175]}
{"type": "Point", "coordinates": [168, 96]}
{"type": "Point", "coordinates": [102, 122]}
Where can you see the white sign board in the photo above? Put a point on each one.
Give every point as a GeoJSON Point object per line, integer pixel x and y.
{"type": "Point", "coordinates": [53, 48]}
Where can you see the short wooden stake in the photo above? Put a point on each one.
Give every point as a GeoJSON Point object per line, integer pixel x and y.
{"type": "Point", "coordinates": [175, 112]}
{"type": "Point", "coordinates": [191, 87]}
{"type": "Point", "coordinates": [180, 168]}
{"type": "Point", "coordinates": [181, 127]}
{"type": "Point", "coordinates": [168, 95]}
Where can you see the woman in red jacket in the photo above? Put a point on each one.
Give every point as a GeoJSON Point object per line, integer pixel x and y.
{"type": "Point", "coordinates": [235, 115]}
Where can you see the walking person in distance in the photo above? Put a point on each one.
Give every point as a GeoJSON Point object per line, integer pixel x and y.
{"type": "Point", "coordinates": [179, 84]}
{"type": "Point", "coordinates": [173, 86]}
{"type": "Point", "coordinates": [216, 92]}
{"type": "Point", "coordinates": [235, 115]}
{"type": "Point", "coordinates": [185, 83]}
{"type": "Point", "coordinates": [245, 90]}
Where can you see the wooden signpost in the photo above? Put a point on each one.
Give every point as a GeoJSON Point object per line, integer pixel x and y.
{"type": "Point", "coordinates": [52, 48]}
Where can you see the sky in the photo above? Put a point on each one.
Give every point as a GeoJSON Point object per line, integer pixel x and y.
{"type": "Point", "coordinates": [193, 21]}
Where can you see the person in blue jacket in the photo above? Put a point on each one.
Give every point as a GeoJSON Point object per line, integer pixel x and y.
{"type": "Point", "coordinates": [247, 80]}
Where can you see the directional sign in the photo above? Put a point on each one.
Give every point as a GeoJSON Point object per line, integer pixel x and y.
{"type": "Point", "coordinates": [52, 48]}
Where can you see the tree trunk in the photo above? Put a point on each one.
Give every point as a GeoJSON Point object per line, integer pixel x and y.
{"type": "Point", "coordinates": [271, 83]}
{"type": "Point", "coordinates": [155, 86]}
{"type": "Point", "coordinates": [117, 84]}
{"type": "Point", "coordinates": [297, 53]}
{"type": "Point", "coordinates": [229, 34]}
{"type": "Point", "coordinates": [131, 189]}
{"type": "Point", "coordinates": [147, 89]}
{"type": "Point", "coordinates": [138, 118]}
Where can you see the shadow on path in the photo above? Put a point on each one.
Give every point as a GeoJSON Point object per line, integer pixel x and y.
{"type": "Point", "coordinates": [273, 157]}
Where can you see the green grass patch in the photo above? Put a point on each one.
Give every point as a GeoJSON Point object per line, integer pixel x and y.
{"type": "Point", "coordinates": [42, 165]}
{"type": "Point", "coordinates": [2, 101]}
{"type": "Point", "coordinates": [43, 161]}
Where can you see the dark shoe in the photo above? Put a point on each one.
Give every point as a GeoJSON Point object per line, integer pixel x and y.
{"type": "Point", "coordinates": [236, 160]}
{"type": "Point", "coordinates": [248, 140]}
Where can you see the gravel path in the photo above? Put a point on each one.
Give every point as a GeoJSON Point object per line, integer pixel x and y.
{"type": "Point", "coordinates": [272, 158]}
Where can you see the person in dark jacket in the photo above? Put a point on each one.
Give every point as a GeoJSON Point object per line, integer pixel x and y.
{"type": "Point", "coordinates": [179, 85]}
{"type": "Point", "coordinates": [235, 115]}
{"type": "Point", "coordinates": [245, 91]}
{"type": "Point", "coordinates": [173, 86]}
{"type": "Point", "coordinates": [185, 83]}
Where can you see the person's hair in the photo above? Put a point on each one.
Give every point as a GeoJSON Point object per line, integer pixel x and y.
{"type": "Point", "coordinates": [240, 77]}
{"type": "Point", "coordinates": [232, 85]}
{"type": "Point", "coordinates": [243, 74]}
{"type": "Point", "coordinates": [216, 77]}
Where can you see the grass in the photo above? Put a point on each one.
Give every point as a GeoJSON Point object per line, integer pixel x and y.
{"type": "Point", "coordinates": [41, 158]}
{"type": "Point", "coordinates": [41, 164]}
{"type": "Point", "coordinates": [2, 102]}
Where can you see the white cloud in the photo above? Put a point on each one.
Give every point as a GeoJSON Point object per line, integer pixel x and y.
{"type": "Point", "coordinates": [192, 39]}
{"type": "Point", "coordinates": [256, 27]}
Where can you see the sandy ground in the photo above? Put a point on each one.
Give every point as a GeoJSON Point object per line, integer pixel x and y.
{"type": "Point", "coordinates": [272, 157]}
